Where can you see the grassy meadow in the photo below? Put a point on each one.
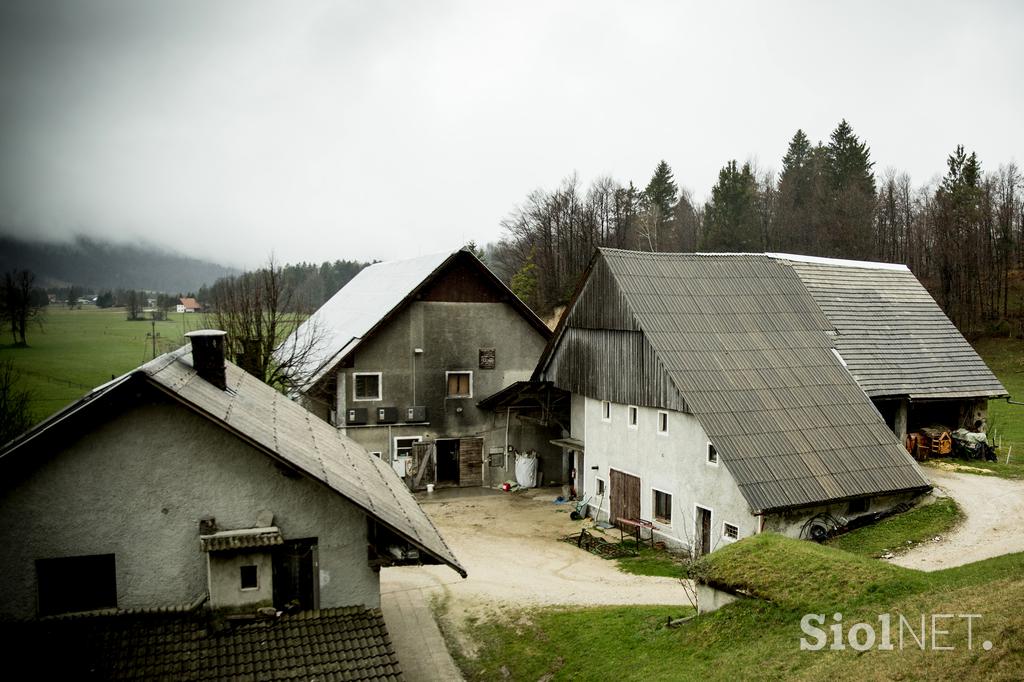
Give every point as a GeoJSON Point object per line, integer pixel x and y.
{"type": "Point", "coordinates": [77, 350]}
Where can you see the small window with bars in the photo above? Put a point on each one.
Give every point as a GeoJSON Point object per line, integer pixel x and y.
{"type": "Point", "coordinates": [730, 532]}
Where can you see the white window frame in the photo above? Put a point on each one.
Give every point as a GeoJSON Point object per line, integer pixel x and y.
{"type": "Point", "coordinates": [725, 536]}
{"type": "Point", "coordinates": [256, 587]}
{"type": "Point", "coordinates": [660, 432]}
{"type": "Point", "coordinates": [654, 506]}
{"type": "Point", "coordinates": [394, 445]}
{"type": "Point", "coordinates": [458, 371]}
{"type": "Point", "coordinates": [380, 386]}
{"type": "Point", "coordinates": [606, 409]}
{"type": "Point", "coordinates": [707, 455]}
{"type": "Point", "coordinates": [633, 417]}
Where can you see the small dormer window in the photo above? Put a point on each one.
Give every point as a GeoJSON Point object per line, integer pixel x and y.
{"type": "Point", "coordinates": [250, 577]}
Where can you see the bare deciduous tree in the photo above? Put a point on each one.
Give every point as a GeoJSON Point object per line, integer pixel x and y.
{"type": "Point", "coordinates": [260, 312]}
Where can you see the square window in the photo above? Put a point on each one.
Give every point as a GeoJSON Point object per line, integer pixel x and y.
{"type": "Point", "coordinates": [403, 446]}
{"type": "Point", "coordinates": [730, 531]}
{"type": "Point", "coordinates": [633, 415]}
{"type": "Point", "coordinates": [712, 454]}
{"type": "Point", "coordinates": [662, 507]}
{"type": "Point", "coordinates": [606, 411]}
{"type": "Point", "coordinates": [366, 386]}
{"type": "Point", "coordinates": [460, 384]}
{"type": "Point", "coordinates": [662, 422]}
{"type": "Point", "coordinates": [78, 583]}
{"type": "Point", "coordinates": [249, 577]}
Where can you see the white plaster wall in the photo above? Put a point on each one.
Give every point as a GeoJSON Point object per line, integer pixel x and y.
{"type": "Point", "coordinates": [136, 485]}
{"type": "Point", "coordinates": [674, 463]}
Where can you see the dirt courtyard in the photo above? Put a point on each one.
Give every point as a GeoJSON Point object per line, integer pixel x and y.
{"type": "Point", "coordinates": [508, 545]}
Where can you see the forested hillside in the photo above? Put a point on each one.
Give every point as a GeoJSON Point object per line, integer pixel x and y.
{"type": "Point", "coordinates": [96, 266]}
{"type": "Point", "coordinates": [962, 235]}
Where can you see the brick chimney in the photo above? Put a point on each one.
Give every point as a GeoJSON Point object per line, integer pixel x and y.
{"type": "Point", "coordinates": [208, 355]}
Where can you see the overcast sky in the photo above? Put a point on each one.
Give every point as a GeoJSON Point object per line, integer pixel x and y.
{"type": "Point", "coordinates": [326, 130]}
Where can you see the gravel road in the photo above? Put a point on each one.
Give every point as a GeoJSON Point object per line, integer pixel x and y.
{"type": "Point", "coordinates": [994, 523]}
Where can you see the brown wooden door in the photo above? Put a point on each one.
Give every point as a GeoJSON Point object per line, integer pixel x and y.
{"type": "Point", "coordinates": [422, 467]}
{"type": "Point", "coordinates": [624, 496]}
{"type": "Point", "coordinates": [471, 462]}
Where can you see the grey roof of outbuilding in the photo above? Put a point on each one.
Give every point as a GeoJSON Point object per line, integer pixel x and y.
{"type": "Point", "coordinates": [285, 430]}
{"type": "Point", "coordinates": [350, 643]}
{"type": "Point", "coordinates": [893, 335]}
{"type": "Point", "coordinates": [746, 346]}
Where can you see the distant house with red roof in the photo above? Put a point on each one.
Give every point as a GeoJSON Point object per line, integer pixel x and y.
{"type": "Point", "coordinates": [188, 305]}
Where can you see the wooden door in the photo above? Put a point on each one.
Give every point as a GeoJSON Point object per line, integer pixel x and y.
{"type": "Point", "coordinates": [422, 465]}
{"type": "Point", "coordinates": [703, 530]}
{"type": "Point", "coordinates": [471, 462]}
{"type": "Point", "coordinates": [624, 495]}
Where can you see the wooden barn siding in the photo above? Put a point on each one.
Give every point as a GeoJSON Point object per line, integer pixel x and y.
{"type": "Point", "coordinates": [603, 354]}
{"type": "Point", "coordinates": [601, 304]}
{"type": "Point", "coordinates": [613, 365]}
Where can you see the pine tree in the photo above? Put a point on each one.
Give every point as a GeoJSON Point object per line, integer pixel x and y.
{"type": "Point", "coordinates": [662, 190]}
{"type": "Point", "coordinates": [731, 217]}
{"type": "Point", "coordinates": [849, 225]}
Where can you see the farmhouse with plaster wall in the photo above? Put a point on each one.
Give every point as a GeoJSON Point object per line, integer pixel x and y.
{"type": "Point", "coordinates": [708, 397]}
{"type": "Point", "coordinates": [408, 349]}
{"type": "Point", "coordinates": [187, 491]}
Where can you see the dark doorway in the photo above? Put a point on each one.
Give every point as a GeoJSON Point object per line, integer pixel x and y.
{"type": "Point", "coordinates": [448, 461]}
{"type": "Point", "coordinates": [703, 530]}
{"type": "Point", "coordinates": [295, 574]}
{"type": "Point", "coordinates": [624, 495]}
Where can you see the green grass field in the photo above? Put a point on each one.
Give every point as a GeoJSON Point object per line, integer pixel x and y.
{"type": "Point", "coordinates": [901, 532]}
{"type": "Point", "coordinates": [760, 638]}
{"type": "Point", "coordinates": [78, 350]}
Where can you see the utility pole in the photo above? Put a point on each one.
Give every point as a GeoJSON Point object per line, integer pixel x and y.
{"type": "Point", "coordinates": [153, 335]}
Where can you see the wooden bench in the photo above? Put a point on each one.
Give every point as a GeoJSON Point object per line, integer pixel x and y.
{"type": "Point", "coordinates": [636, 528]}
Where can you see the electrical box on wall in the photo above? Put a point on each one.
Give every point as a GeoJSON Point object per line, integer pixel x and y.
{"type": "Point", "coordinates": [416, 413]}
{"type": "Point", "coordinates": [355, 415]}
{"type": "Point", "coordinates": [387, 415]}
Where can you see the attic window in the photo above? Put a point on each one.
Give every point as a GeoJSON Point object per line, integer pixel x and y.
{"type": "Point", "coordinates": [712, 454]}
{"type": "Point", "coordinates": [366, 385]}
{"type": "Point", "coordinates": [249, 577]}
{"type": "Point", "coordinates": [460, 384]}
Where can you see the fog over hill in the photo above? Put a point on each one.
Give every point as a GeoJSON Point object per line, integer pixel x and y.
{"type": "Point", "coordinates": [100, 265]}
